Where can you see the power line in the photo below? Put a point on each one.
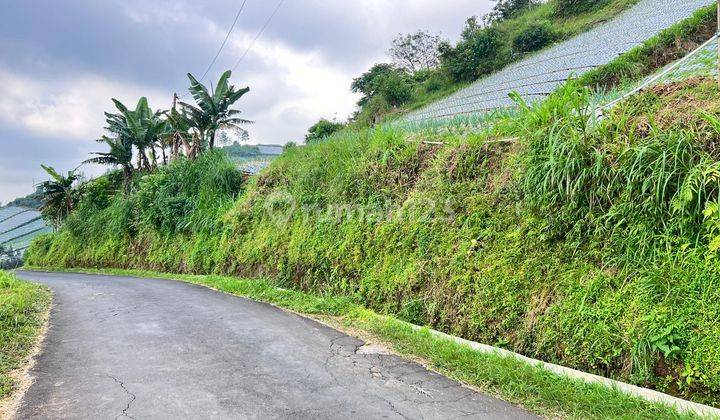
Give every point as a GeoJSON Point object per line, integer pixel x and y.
{"type": "Point", "coordinates": [217, 54]}
{"type": "Point", "coordinates": [265, 25]}
{"type": "Point", "coordinates": [237, 15]}
{"type": "Point", "coordinates": [257, 36]}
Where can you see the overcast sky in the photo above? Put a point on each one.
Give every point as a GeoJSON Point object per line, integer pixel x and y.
{"type": "Point", "coordinates": [62, 61]}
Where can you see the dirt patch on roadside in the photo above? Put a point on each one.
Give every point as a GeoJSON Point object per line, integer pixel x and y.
{"type": "Point", "coordinates": [22, 378]}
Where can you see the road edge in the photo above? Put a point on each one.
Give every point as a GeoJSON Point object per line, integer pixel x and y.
{"type": "Point", "coordinates": [367, 324]}
{"type": "Point", "coordinates": [10, 403]}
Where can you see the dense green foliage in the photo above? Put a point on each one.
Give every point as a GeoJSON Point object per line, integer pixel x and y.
{"type": "Point", "coordinates": [322, 129]}
{"type": "Point", "coordinates": [185, 131]}
{"type": "Point", "coordinates": [588, 243]}
{"type": "Point", "coordinates": [22, 309]}
{"type": "Point", "coordinates": [480, 51]}
{"type": "Point", "coordinates": [535, 37]}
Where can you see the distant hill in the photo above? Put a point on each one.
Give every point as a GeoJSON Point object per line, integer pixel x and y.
{"type": "Point", "coordinates": [31, 200]}
{"type": "Point", "coordinates": [237, 150]}
{"type": "Point", "coordinates": [253, 158]}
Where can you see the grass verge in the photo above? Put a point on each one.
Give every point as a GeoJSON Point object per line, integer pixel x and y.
{"type": "Point", "coordinates": [532, 387]}
{"type": "Point", "coordinates": [23, 313]}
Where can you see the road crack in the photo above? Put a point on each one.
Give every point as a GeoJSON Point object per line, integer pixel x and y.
{"type": "Point", "coordinates": [132, 398]}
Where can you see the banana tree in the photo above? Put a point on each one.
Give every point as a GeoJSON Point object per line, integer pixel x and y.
{"type": "Point", "coordinates": [211, 111]}
{"type": "Point", "coordinates": [141, 126]}
{"type": "Point", "coordinates": [120, 154]}
{"type": "Point", "coordinates": [58, 195]}
{"type": "Point", "coordinates": [179, 131]}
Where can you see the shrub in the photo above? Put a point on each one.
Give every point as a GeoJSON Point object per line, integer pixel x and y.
{"type": "Point", "coordinates": [395, 88]}
{"type": "Point", "coordinates": [479, 52]}
{"type": "Point", "coordinates": [436, 81]}
{"type": "Point", "coordinates": [534, 37]}
{"type": "Point", "coordinates": [372, 112]}
{"type": "Point", "coordinates": [367, 83]}
{"type": "Point", "coordinates": [97, 193]}
{"type": "Point", "coordinates": [321, 130]}
{"type": "Point", "coordinates": [187, 195]}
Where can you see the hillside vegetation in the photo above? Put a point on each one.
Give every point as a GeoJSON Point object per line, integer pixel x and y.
{"type": "Point", "coordinates": [589, 243]}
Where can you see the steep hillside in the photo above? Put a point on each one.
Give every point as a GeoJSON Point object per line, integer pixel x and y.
{"type": "Point", "coordinates": [426, 69]}
{"type": "Point", "coordinates": [593, 244]}
{"type": "Point", "coordinates": [536, 76]}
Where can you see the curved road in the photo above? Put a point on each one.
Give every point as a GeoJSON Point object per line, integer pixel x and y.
{"type": "Point", "coordinates": [147, 348]}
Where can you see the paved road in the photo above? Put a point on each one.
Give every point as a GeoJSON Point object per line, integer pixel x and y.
{"type": "Point", "coordinates": [144, 348]}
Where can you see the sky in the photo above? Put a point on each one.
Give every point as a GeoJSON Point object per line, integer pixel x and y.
{"type": "Point", "coordinates": [62, 61]}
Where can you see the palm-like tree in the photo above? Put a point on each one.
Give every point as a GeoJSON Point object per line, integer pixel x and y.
{"type": "Point", "coordinates": [212, 110]}
{"type": "Point", "coordinates": [58, 195]}
{"type": "Point", "coordinates": [179, 131]}
{"type": "Point", "coordinates": [141, 127]}
{"type": "Point", "coordinates": [120, 154]}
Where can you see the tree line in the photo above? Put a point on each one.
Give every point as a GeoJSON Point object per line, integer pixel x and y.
{"type": "Point", "coordinates": [140, 139]}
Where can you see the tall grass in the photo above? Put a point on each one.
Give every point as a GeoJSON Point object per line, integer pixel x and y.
{"type": "Point", "coordinates": [22, 309]}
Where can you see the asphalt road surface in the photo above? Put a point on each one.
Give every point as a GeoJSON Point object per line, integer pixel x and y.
{"type": "Point", "coordinates": [147, 348]}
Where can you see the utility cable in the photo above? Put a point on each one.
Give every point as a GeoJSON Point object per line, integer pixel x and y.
{"type": "Point", "coordinates": [237, 15]}
{"type": "Point", "coordinates": [265, 25]}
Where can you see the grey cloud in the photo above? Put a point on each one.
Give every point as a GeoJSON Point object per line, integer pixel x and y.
{"type": "Point", "coordinates": [154, 43]}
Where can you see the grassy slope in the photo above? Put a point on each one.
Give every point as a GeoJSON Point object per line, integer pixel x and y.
{"type": "Point", "coordinates": [567, 27]}
{"type": "Point", "coordinates": [531, 387]}
{"type": "Point", "coordinates": [580, 245]}
{"type": "Point", "coordinates": [23, 307]}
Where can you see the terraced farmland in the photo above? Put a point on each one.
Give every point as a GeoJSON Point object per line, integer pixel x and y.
{"type": "Point", "coordinates": [19, 225]}
{"type": "Point", "coordinates": [254, 164]}
{"type": "Point", "coordinates": [538, 75]}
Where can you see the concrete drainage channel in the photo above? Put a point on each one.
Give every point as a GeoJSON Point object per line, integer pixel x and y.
{"type": "Point", "coordinates": [681, 405]}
